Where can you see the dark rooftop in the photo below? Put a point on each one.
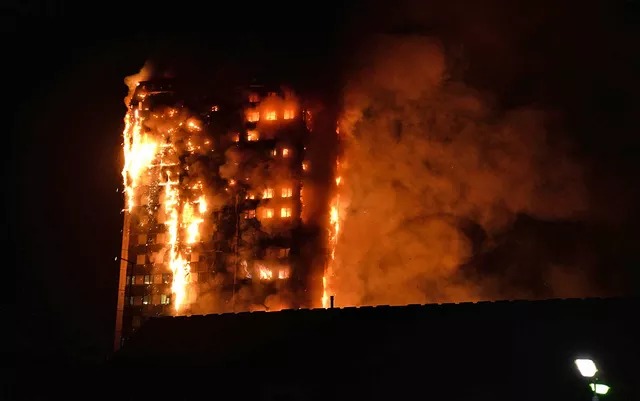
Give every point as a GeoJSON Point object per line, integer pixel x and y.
{"type": "Point", "coordinates": [485, 350]}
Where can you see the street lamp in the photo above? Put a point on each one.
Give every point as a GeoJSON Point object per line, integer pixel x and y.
{"type": "Point", "coordinates": [587, 368]}
{"type": "Point", "coordinates": [599, 388]}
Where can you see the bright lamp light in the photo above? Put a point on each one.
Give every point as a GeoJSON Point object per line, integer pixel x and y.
{"type": "Point", "coordinates": [586, 367]}
{"type": "Point", "coordinates": [599, 388]}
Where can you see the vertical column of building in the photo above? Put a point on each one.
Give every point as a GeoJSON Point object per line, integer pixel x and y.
{"type": "Point", "coordinates": [122, 280]}
{"type": "Point", "coordinates": [272, 136]}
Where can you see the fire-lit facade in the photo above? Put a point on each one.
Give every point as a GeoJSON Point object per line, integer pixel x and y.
{"type": "Point", "coordinates": [213, 203]}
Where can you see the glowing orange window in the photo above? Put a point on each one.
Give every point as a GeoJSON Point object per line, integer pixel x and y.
{"type": "Point", "coordinates": [288, 114]}
{"type": "Point", "coordinates": [285, 212]}
{"type": "Point", "coordinates": [268, 213]}
{"type": "Point", "coordinates": [253, 135]}
{"type": "Point", "coordinates": [286, 192]}
{"type": "Point", "coordinates": [253, 116]}
{"type": "Point", "coordinates": [267, 193]}
{"type": "Point", "coordinates": [271, 115]}
{"type": "Point", "coordinates": [285, 152]}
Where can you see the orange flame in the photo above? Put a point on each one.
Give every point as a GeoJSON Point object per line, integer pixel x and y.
{"type": "Point", "coordinates": [334, 232]}
{"type": "Point", "coordinates": [139, 151]}
{"type": "Point", "coordinates": [265, 273]}
{"type": "Point", "coordinates": [151, 154]}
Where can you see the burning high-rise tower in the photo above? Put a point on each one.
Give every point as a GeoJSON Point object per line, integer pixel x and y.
{"type": "Point", "coordinates": [213, 202]}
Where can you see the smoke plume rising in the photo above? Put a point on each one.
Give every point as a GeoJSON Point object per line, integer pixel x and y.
{"type": "Point", "coordinates": [428, 162]}
{"type": "Point", "coordinates": [132, 80]}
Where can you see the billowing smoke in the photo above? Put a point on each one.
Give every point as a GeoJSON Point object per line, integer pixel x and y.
{"type": "Point", "coordinates": [433, 175]}
{"type": "Point", "coordinates": [132, 80]}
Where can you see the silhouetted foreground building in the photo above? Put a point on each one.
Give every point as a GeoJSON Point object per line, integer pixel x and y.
{"type": "Point", "coordinates": [491, 351]}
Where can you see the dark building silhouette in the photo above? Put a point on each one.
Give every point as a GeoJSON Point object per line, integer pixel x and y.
{"type": "Point", "coordinates": [512, 350]}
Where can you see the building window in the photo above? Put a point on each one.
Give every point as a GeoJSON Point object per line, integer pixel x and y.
{"type": "Point", "coordinates": [141, 259]}
{"type": "Point", "coordinates": [157, 279]}
{"type": "Point", "coordinates": [285, 212]}
{"type": "Point", "coordinates": [283, 252]}
{"type": "Point", "coordinates": [285, 152]}
{"type": "Point", "coordinates": [195, 257]}
{"type": "Point", "coordinates": [274, 152]}
{"type": "Point", "coordinates": [145, 300]}
{"type": "Point", "coordinates": [264, 273]}
{"type": "Point", "coordinates": [166, 278]}
{"type": "Point", "coordinates": [250, 214]}
{"type": "Point", "coordinates": [267, 193]}
{"type": "Point", "coordinates": [283, 274]}
{"type": "Point", "coordinates": [288, 114]}
{"type": "Point", "coordinates": [253, 135]}
{"type": "Point", "coordinates": [253, 116]}
{"type": "Point", "coordinates": [214, 108]}
{"type": "Point", "coordinates": [139, 279]}
{"type": "Point", "coordinates": [147, 279]}
{"type": "Point", "coordinates": [130, 280]}
{"type": "Point", "coordinates": [136, 321]}
{"type": "Point", "coordinates": [165, 299]}
{"type": "Point", "coordinates": [286, 192]}
{"type": "Point", "coordinates": [305, 165]}
{"type": "Point", "coordinates": [271, 115]}
{"type": "Point", "coordinates": [130, 301]}
{"type": "Point", "coordinates": [268, 213]}
{"type": "Point", "coordinates": [160, 238]}
{"type": "Point", "coordinates": [254, 98]}
{"type": "Point", "coordinates": [142, 239]}
{"type": "Point", "coordinates": [235, 137]}
{"type": "Point", "coordinates": [193, 277]}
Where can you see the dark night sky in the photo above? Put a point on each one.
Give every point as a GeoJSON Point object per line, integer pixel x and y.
{"type": "Point", "coordinates": [576, 59]}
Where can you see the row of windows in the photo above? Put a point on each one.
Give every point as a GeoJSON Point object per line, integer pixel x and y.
{"type": "Point", "coordinates": [267, 193]}
{"type": "Point", "coordinates": [254, 115]}
{"type": "Point", "coordinates": [156, 299]}
{"type": "Point", "coordinates": [269, 213]}
{"type": "Point", "coordinates": [254, 136]}
{"type": "Point", "coordinates": [159, 257]}
{"type": "Point", "coordinates": [164, 278]}
{"type": "Point", "coordinates": [142, 279]}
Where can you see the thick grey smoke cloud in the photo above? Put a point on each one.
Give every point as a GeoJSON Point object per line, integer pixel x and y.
{"type": "Point", "coordinates": [423, 157]}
